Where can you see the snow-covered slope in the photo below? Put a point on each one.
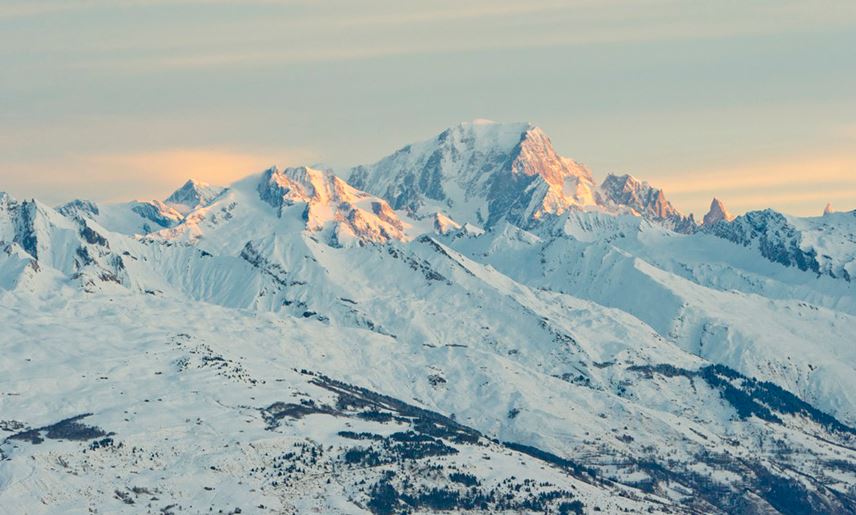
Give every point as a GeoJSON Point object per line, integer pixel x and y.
{"type": "Point", "coordinates": [145, 216]}
{"type": "Point", "coordinates": [293, 344]}
{"type": "Point", "coordinates": [39, 241]}
{"type": "Point", "coordinates": [711, 297]}
{"type": "Point", "coordinates": [824, 245]}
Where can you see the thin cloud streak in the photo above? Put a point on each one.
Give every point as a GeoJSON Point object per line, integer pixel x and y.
{"type": "Point", "coordinates": [788, 185]}
{"type": "Point", "coordinates": [32, 8]}
{"type": "Point", "coordinates": [277, 41]}
{"type": "Point", "coordinates": [804, 171]}
{"type": "Point", "coordinates": [820, 197]}
{"type": "Point", "coordinates": [455, 11]}
{"type": "Point", "coordinates": [167, 166]}
{"type": "Point", "coordinates": [807, 203]}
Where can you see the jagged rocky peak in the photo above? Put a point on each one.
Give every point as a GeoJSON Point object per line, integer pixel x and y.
{"type": "Point", "coordinates": [192, 195]}
{"type": "Point", "coordinates": [626, 190]}
{"type": "Point", "coordinates": [444, 225]}
{"type": "Point", "coordinates": [24, 223]}
{"type": "Point", "coordinates": [79, 207]}
{"type": "Point", "coordinates": [480, 172]}
{"type": "Point", "coordinates": [158, 212]}
{"type": "Point", "coordinates": [789, 241]}
{"type": "Point", "coordinates": [133, 217]}
{"type": "Point", "coordinates": [5, 199]}
{"type": "Point", "coordinates": [43, 238]}
{"type": "Point", "coordinates": [642, 199]}
{"type": "Point", "coordinates": [331, 205]}
{"type": "Point", "coordinates": [828, 209]}
{"type": "Point", "coordinates": [717, 213]}
{"type": "Point", "coordinates": [303, 184]}
{"type": "Point", "coordinates": [8, 207]}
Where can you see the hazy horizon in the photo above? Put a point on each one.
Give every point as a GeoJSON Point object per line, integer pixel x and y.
{"type": "Point", "coordinates": [127, 99]}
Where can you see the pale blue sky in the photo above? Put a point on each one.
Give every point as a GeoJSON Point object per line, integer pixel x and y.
{"type": "Point", "coordinates": [113, 99]}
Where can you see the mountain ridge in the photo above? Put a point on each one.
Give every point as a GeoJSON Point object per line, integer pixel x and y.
{"type": "Point", "coordinates": [296, 342]}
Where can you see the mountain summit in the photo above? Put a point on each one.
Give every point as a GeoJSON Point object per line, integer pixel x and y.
{"type": "Point", "coordinates": [480, 171]}
{"type": "Point", "coordinates": [717, 213]}
{"type": "Point", "coordinates": [193, 194]}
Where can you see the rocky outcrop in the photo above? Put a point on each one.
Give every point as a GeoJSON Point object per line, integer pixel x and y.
{"type": "Point", "coordinates": [330, 204]}
{"type": "Point", "coordinates": [717, 213]}
{"type": "Point", "coordinates": [642, 199]}
{"type": "Point", "coordinates": [193, 195]}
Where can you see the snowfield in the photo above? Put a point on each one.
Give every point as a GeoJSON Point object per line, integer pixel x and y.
{"type": "Point", "coordinates": [469, 325]}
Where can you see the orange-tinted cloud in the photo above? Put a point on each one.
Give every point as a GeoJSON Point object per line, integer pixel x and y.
{"type": "Point", "coordinates": [167, 166]}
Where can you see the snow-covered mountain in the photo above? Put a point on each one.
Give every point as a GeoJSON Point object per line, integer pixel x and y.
{"type": "Point", "coordinates": [469, 324]}
{"type": "Point", "coordinates": [481, 172]}
{"type": "Point", "coordinates": [823, 245]}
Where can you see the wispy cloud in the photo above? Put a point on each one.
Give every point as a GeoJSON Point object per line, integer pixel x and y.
{"type": "Point", "coordinates": [167, 167]}
{"type": "Point", "coordinates": [386, 12]}
{"type": "Point", "coordinates": [792, 172]}
{"type": "Point", "coordinates": [29, 8]}
{"type": "Point", "coordinates": [267, 38]}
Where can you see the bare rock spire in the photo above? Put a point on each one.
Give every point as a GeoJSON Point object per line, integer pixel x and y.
{"type": "Point", "coordinates": [717, 213]}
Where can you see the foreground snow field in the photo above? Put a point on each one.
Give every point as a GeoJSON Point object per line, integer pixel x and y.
{"type": "Point", "coordinates": [471, 324]}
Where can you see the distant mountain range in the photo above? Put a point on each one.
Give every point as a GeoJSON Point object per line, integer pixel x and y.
{"type": "Point", "coordinates": [470, 323]}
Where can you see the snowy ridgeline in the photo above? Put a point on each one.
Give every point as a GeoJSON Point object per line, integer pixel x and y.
{"type": "Point", "coordinates": [469, 324]}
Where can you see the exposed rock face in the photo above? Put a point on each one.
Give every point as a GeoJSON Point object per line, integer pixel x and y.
{"type": "Point", "coordinates": [331, 204]}
{"type": "Point", "coordinates": [158, 212]}
{"type": "Point", "coordinates": [644, 200]}
{"type": "Point", "coordinates": [480, 172]}
{"type": "Point", "coordinates": [777, 239]}
{"type": "Point", "coordinates": [192, 195]}
{"type": "Point", "coordinates": [717, 213]}
{"type": "Point", "coordinates": [484, 172]}
{"type": "Point", "coordinates": [78, 207]}
{"type": "Point", "coordinates": [445, 225]}
{"type": "Point", "coordinates": [36, 235]}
